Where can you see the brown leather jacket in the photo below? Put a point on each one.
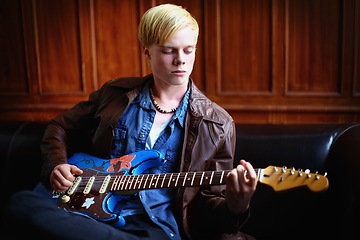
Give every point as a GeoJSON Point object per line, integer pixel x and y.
{"type": "Point", "coordinates": [209, 144]}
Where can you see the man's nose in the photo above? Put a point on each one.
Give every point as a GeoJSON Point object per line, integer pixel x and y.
{"type": "Point", "coordinates": [179, 59]}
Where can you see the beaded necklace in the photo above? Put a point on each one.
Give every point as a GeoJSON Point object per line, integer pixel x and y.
{"type": "Point", "coordinates": [156, 105]}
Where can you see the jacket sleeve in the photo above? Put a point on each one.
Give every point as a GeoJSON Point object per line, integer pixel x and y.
{"type": "Point", "coordinates": [62, 131]}
{"type": "Point", "coordinates": [210, 204]}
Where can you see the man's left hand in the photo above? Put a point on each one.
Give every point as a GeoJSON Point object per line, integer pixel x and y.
{"type": "Point", "coordinates": [240, 186]}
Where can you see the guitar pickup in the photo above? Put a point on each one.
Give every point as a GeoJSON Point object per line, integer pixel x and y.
{"type": "Point", "coordinates": [74, 186]}
{"type": "Point", "coordinates": [89, 185]}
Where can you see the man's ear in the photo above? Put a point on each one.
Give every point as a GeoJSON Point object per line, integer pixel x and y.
{"type": "Point", "coordinates": [146, 52]}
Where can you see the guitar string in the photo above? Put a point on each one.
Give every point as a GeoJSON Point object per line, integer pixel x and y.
{"type": "Point", "coordinates": [182, 174]}
{"type": "Point", "coordinates": [104, 175]}
{"type": "Point", "coordinates": [166, 176]}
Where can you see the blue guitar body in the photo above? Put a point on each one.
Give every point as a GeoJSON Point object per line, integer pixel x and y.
{"type": "Point", "coordinates": [92, 193]}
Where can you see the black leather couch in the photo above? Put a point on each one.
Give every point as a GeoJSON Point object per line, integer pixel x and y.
{"type": "Point", "coordinates": [295, 214]}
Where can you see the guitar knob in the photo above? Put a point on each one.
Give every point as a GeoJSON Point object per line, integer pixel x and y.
{"type": "Point", "coordinates": [65, 198]}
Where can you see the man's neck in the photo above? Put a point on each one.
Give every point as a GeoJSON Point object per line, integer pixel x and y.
{"type": "Point", "coordinates": [169, 96]}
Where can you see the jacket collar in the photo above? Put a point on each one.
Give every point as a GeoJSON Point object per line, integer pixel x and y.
{"type": "Point", "coordinates": [199, 105]}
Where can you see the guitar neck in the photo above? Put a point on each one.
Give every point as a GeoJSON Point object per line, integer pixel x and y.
{"type": "Point", "coordinates": [169, 180]}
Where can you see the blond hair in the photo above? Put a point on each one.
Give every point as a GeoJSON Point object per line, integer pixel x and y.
{"type": "Point", "coordinates": [160, 23]}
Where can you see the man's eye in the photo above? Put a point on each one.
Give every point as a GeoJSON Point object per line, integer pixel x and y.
{"type": "Point", "coordinates": [188, 50]}
{"type": "Point", "coordinates": [167, 51]}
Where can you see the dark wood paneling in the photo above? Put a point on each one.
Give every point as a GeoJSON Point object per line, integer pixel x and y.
{"type": "Point", "coordinates": [117, 48]}
{"type": "Point", "coordinates": [244, 40]}
{"type": "Point", "coordinates": [313, 47]}
{"type": "Point", "coordinates": [268, 61]}
{"type": "Point", "coordinates": [356, 82]}
{"type": "Point", "coordinates": [13, 70]}
{"type": "Point", "coordinates": [58, 47]}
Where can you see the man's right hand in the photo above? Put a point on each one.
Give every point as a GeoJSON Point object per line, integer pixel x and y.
{"type": "Point", "coordinates": [62, 176]}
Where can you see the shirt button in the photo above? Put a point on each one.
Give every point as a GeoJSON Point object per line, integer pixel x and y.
{"type": "Point", "coordinates": [172, 235]}
{"type": "Point", "coordinates": [153, 217]}
{"type": "Point", "coordinates": [142, 135]}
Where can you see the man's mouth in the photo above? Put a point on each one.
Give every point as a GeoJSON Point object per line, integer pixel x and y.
{"type": "Point", "coordinates": [179, 72]}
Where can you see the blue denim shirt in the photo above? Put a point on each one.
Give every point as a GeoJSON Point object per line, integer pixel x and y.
{"type": "Point", "coordinates": [130, 135]}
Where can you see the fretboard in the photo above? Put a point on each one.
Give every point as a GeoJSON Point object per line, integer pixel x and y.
{"type": "Point", "coordinates": [168, 180]}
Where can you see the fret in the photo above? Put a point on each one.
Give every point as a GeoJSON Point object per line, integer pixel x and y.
{"type": "Point", "coordinates": [133, 182]}
{"type": "Point", "coordinates": [170, 180]}
{"type": "Point", "coordinates": [130, 180]}
{"type": "Point", "coordinates": [177, 179]}
{"type": "Point", "coordinates": [184, 179]}
{"type": "Point", "coordinates": [152, 178]}
{"type": "Point", "coordinates": [121, 183]}
{"type": "Point", "coordinates": [211, 178]}
{"type": "Point", "coordinates": [139, 187]}
{"type": "Point", "coordinates": [144, 186]}
{"type": "Point", "coordinates": [222, 175]}
{"type": "Point", "coordinates": [157, 180]}
{"type": "Point", "coordinates": [202, 177]}
{"type": "Point", "coordinates": [192, 181]}
{"type": "Point", "coordinates": [162, 183]}
{"type": "Point", "coordinates": [126, 182]}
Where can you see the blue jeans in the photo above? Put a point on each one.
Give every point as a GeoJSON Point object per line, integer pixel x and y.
{"type": "Point", "coordinates": [30, 214]}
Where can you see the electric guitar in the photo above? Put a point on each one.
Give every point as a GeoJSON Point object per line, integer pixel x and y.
{"type": "Point", "coordinates": [105, 182]}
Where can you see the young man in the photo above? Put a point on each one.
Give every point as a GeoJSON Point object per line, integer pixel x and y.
{"type": "Point", "coordinates": [163, 111]}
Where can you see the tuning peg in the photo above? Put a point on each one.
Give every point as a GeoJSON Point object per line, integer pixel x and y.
{"type": "Point", "coordinates": [300, 173]}
{"type": "Point", "coordinates": [275, 169]}
{"type": "Point", "coordinates": [325, 174]}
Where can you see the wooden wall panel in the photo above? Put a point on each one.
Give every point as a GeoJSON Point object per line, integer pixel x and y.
{"type": "Point", "coordinates": [117, 48]}
{"type": "Point", "coordinates": [13, 70]}
{"type": "Point", "coordinates": [58, 49]}
{"type": "Point", "coordinates": [313, 47]}
{"type": "Point", "coordinates": [244, 38]}
{"type": "Point", "coordinates": [356, 62]}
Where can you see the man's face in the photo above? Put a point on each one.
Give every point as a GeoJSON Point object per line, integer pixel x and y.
{"type": "Point", "coordinates": [172, 63]}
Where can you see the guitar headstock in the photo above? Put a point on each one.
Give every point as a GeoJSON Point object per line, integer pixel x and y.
{"type": "Point", "coordinates": [282, 178]}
